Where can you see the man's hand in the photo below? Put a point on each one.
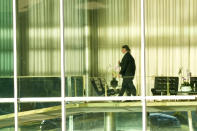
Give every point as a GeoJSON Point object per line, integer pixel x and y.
{"type": "Point", "coordinates": [118, 75]}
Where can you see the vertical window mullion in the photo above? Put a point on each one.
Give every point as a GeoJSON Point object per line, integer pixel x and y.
{"type": "Point", "coordinates": [143, 73]}
{"type": "Point", "coordinates": [15, 67]}
{"type": "Point", "coordinates": [63, 105]}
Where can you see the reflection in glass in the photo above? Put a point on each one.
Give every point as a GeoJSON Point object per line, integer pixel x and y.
{"type": "Point", "coordinates": [171, 115]}
{"type": "Point", "coordinates": [40, 116]}
{"type": "Point", "coordinates": [171, 121]}
{"type": "Point", "coordinates": [6, 49]}
{"type": "Point", "coordinates": [38, 48]}
{"type": "Point", "coordinates": [6, 120]}
{"type": "Point", "coordinates": [120, 121]}
{"type": "Point", "coordinates": [194, 120]}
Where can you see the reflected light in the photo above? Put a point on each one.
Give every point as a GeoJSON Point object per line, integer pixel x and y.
{"type": "Point", "coordinates": [111, 31]}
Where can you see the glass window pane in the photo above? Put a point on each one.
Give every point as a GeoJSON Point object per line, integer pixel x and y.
{"type": "Point", "coordinates": [194, 120]}
{"type": "Point", "coordinates": [38, 48]}
{"type": "Point", "coordinates": [120, 118]}
{"type": "Point", "coordinates": [6, 117]}
{"type": "Point", "coordinates": [170, 47]}
{"type": "Point", "coordinates": [95, 32]}
{"type": "Point", "coordinates": [6, 49]}
{"type": "Point", "coordinates": [40, 116]}
{"type": "Point", "coordinates": [171, 121]}
{"type": "Point", "coordinates": [170, 115]}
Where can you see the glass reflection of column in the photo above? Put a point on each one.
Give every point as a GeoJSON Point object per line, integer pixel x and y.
{"type": "Point", "coordinates": [109, 122]}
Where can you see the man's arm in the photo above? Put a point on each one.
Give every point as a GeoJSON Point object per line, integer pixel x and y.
{"type": "Point", "coordinates": [124, 63]}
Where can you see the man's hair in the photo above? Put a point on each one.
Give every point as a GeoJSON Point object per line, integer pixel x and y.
{"type": "Point", "coordinates": [126, 47]}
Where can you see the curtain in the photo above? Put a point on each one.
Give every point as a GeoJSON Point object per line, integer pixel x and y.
{"type": "Point", "coordinates": [170, 38]}
{"type": "Point", "coordinates": [95, 30]}
{"type": "Point", "coordinates": [6, 38]}
{"type": "Point", "coordinates": [114, 23]}
{"type": "Point", "coordinates": [76, 36]}
{"type": "Point", "coordinates": [38, 35]}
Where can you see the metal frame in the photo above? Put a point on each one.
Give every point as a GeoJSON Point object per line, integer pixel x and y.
{"type": "Point", "coordinates": [86, 99]}
{"type": "Point", "coordinates": [62, 66]}
{"type": "Point", "coordinates": [143, 73]}
{"type": "Point", "coordinates": [15, 68]}
{"type": "Point", "coordinates": [64, 99]}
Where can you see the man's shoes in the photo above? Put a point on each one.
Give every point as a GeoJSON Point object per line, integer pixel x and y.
{"type": "Point", "coordinates": [128, 101]}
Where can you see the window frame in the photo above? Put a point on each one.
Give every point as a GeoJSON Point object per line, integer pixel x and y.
{"type": "Point", "coordinates": [143, 98]}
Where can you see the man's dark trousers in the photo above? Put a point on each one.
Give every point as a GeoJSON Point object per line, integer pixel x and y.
{"type": "Point", "coordinates": [128, 86]}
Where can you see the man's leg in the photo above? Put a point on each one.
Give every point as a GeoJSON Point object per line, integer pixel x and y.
{"type": "Point", "coordinates": [131, 88]}
{"type": "Point", "coordinates": [124, 87]}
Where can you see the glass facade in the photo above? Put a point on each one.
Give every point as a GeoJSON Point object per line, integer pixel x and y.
{"type": "Point", "coordinates": [63, 57]}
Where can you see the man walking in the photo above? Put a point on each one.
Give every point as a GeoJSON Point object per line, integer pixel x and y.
{"type": "Point", "coordinates": [128, 72]}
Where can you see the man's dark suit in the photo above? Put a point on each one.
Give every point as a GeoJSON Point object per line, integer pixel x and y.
{"type": "Point", "coordinates": [128, 72]}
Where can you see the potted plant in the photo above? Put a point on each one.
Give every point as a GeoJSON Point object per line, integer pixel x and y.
{"type": "Point", "coordinates": [186, 87]}
{"type": "Point", "coordinates": [185, 84]}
